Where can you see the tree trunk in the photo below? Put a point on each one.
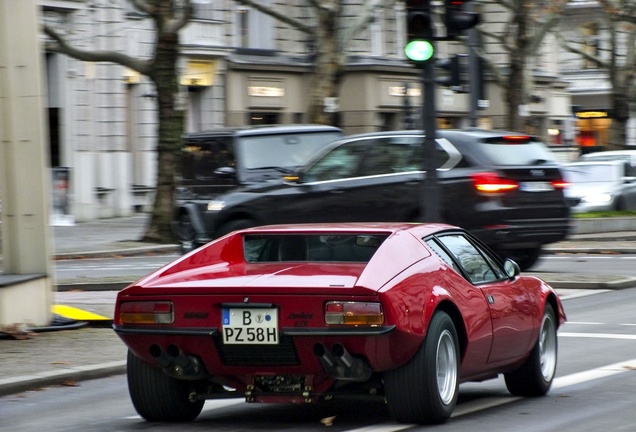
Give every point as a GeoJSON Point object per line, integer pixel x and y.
{"type": "Point", "coordinates": [170, 131]}
{"type": "Point", "coordinates": [620, 116]}
{"type": "Point", "coordinates": [327, 68]}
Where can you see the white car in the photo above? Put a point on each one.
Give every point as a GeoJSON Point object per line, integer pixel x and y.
{"type": "Point", "coordinates": [599, 186]}
{"type": "Point", "coordinates": [627, 156]}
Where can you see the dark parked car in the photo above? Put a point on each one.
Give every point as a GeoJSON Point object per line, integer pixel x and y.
{"type": "Point", "coordinates": [505, 188]}
{"type": "Point", "coordinates": [301, 314]}
{"type": "Point", "coordinates": [219, 161]}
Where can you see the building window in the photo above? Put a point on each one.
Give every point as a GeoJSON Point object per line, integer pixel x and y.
{"type": "Point", "coordinates": [205, 11]}
{"type": "Point", "coordinates": [590, 44]}
{"type": "Point", "coordinates": [254, 29]}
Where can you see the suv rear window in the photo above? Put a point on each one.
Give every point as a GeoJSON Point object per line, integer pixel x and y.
{"type": "Point", "coordinates": [516, 151]}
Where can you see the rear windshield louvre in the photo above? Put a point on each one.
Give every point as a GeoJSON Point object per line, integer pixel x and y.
{"type": "Point", "coordinates": [328, 247]}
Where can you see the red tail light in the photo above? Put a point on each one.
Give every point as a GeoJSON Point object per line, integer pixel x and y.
{"type": "Point", "coordinates": [146, 312]}
{"type": "Point", "coordinates": [560, 184]}
{"type": "Point", "coordinates": [489, 182]}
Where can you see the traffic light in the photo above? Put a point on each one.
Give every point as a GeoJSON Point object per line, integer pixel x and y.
{"type": "Point", "coordinates": [453, 67]}
{"type": "Point", "coordinates": [419, 31]}
{"type": "Point", "coordinates": [457, 20]}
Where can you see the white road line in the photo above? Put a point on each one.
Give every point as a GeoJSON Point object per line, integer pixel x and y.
{"type": "Point", "coordinates": [592, 374]}
{"type": "Point", "coordinates": [474, 405]}
{"type": "Point", "coordinates": [598, 335]}
{"type": "Point", "coordinates": [384, 427]}
{"type": "Point", "coordinates": [584, 323]}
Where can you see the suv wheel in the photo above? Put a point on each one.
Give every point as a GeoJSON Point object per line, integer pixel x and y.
{"type": "Point", "coordinates": [526, 258]}
{"type": "Point", "coordinates": [186, 234]}
{"type": "Point", "coordinates": [234, 225]}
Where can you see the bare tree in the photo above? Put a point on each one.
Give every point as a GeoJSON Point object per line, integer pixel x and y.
{"type": "Point", "coordinates": [526, 24]}
{"type": "Point", "coordinates": [168, 16]}
{"type": "Point", "coordinates": [329, 30]}
{"type": "Point", "coordinates": [616, 55]}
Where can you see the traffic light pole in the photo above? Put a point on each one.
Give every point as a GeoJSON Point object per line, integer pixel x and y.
{"type": "Point", "coordinates": [430, 194]}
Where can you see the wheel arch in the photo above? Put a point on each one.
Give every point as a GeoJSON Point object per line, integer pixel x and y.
{"type": "Point", "coordinates": [455, 315]}
{"type": "Point", "coordinates": [553, 301]}
{"type": "Point", "coordinates": [190, 209]}
{"type": "Point", "coordinates": [234, 217]}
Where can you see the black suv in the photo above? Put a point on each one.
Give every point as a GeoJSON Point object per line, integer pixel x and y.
{"type": "Point", "coordinates": [506, 188]}
{"type": "Point", "coordinates": [218, 161]}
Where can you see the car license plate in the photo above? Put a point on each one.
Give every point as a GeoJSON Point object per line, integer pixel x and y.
{"type": "Point", "coordinates": [250, 326]}
{"type": "Point", "coordinates": [536, 186]}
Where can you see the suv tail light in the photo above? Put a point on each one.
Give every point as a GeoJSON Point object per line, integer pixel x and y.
{"type": "Point", "coordinates": [560, 184]}
{"type": "Point", "coordinates": [491, 183]}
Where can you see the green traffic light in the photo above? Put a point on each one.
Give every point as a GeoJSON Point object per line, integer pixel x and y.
{"type": "Point", "coordinates": [419, 50]}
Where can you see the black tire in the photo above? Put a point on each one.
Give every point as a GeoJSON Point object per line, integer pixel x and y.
{"type": "Point", "coordinates": [525, 258]}
{"type": "Point", "coordinates": [535, 376]}
{"type": "Point", "coordinates": [158, 397]}
{"type": "Point", "coordinates": [425, 389]}
{"type": "Point", "coordinates": [234, 225]}
{"type": "Point", "coordinates": [620, 204]}
{"type": "Point", "coordinates": [186, 234]}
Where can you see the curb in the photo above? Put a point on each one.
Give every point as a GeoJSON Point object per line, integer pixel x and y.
{"type": "Point", "coordinates": [10, 386]}
{"type": "Point", "coordinates": [109, 253]}
{"type": "Point", "coordinates": [589, 250]}
{"type": "Point", "coordinates": [617, 284]}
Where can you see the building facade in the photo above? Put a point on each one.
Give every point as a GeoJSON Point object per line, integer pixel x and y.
{"type": "Point", "coordinates": [241, 67]}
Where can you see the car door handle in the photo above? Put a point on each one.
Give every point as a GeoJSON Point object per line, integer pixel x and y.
{"type": "Point", "coordinates": [336, 191]}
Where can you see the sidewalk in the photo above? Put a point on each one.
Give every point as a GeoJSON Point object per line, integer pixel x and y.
{"type": "Point", "coordinates": [53, 356]}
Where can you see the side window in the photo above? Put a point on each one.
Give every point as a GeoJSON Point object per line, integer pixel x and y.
{"type": "Point", "coordinates": [341, 162]}
{"type": "Point", "coordinates": [443, 255]}
{"type": "Point", "coordinates": [476, 267]}
{"type": "Point", "coordinates": [391, 155]}
{"type": "Point", "coordinates": [202, 157]}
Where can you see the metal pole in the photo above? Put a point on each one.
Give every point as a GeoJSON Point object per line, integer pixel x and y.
{"type": "Point", "coordinates": [430, 196]}
{"type": "Point", "coordinates": [473, 72]}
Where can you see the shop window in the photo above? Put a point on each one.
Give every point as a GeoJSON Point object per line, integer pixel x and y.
{"type": "Point", "coordinates": [263, 119]}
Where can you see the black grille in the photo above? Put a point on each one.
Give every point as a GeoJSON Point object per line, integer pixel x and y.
{"type": "Point", "coordinates": [283, 354]}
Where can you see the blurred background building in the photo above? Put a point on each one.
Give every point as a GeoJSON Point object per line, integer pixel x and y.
{"type": "Point", "coordinates": [242, 67]}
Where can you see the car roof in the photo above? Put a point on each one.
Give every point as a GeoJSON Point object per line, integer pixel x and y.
{"type": "Point", "coordinates": [469, 132]}
{"type": "Point", "coordinates": [418, 228]}
{"type": "Point", "coordinates": [264, 130]}
{"type": "Point", "coordinates": [595, 162]}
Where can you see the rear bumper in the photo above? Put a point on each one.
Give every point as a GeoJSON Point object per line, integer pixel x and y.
{"type": "Point", "coordinates": [524, 234]}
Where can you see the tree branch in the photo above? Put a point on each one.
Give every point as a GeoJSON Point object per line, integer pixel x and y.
{"type": "Point", "coordinates": [181, 19]}
{"type": "Point", "coordinates": [60, 45]}
{"type": "Point", "coordinates": [284, 18]}
{"type": "Point", "coordinates": [364, 19]}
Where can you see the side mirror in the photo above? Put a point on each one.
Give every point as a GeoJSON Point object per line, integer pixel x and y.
{"type": "Point", "coordinates": [225, 172]}
{"type": "Point", "coordinates": [511, 268]}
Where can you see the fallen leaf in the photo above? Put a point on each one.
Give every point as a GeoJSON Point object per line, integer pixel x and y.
{"type": "Point", "coordinates": [328, 421]}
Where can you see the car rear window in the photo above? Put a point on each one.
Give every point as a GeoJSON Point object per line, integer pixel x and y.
{"type": "Point", "coordinates": [311, 247]}
{"type": "Point", "coordinates": [516, 150]}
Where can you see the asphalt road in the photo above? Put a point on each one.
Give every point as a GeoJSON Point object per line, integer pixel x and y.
{"type": "Point", "coordinates": [593, 391]}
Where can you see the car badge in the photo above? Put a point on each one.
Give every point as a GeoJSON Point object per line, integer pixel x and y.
{"type": "Point", "coordinates": [246, 300]}
{"type": "Point", "coordinates": [537, 172]}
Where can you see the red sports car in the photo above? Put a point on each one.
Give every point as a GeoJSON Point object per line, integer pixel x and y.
{"type": "Point", "coordinates": [303, 313]}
